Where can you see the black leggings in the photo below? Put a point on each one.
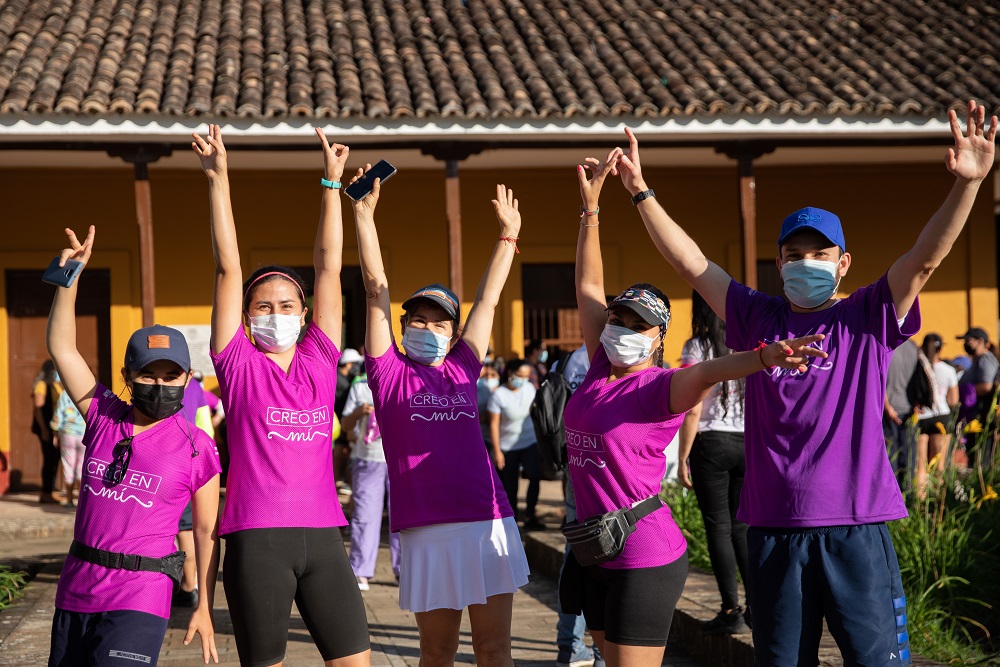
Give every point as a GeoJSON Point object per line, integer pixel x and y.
{"type": "Point", "coordinates": [50, 464]}
{"type": "Point", "coordinates": [717, 469]}
{"type": "Point", "coordinates": [633, 607]}
{"type": "Point", "coordinates": [266, 568]}
{"type": "Point", "coordinates": [531, 459]}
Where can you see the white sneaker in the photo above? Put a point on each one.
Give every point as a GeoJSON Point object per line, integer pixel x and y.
{"type": "Point", "coordinates": [363, 583]}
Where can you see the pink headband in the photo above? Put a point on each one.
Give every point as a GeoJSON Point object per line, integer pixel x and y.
{"type": "Point", "coordinates": [276, 273]}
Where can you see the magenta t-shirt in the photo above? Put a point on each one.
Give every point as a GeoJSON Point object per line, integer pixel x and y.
{"type": "Point", "coordinates": [279, 428]}
{"type": "Point", "coordinates": [137, 516]}
{"type": "Point", "coordinates": [616, 434]}
{"type": "Point", "coordinates": [439, 468]}
{"type": "Point", "coordinates": [815, 450]}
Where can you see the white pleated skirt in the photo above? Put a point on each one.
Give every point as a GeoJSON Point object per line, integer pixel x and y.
{"type": "Point", "coordinates": [453, 565]}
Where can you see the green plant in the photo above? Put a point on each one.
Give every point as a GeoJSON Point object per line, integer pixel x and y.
{"type": "Point", "coordinates": [11, 585]}
{"type": "Point", "coordinates": [684, 506]}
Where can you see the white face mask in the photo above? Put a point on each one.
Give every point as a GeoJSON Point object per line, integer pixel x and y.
{"type": "Point", "coordinates": [809, 283]}
{"type": "Point", "coordinates": [625, 347]}
{"type": "Point", "coordinates": [275, 333]}
{"type": "Point", "coordinates": [424, 346]}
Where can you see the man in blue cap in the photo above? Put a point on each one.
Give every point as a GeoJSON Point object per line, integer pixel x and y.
{"type": "Point", "coordinates": [819, 487]}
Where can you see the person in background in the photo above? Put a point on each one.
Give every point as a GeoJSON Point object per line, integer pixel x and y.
{"type": "Point", "coordinates": [69, 425]}
{"type": "Point", "coordinates": [711, 438]}
{"type": "Point", "coordinates": [44, 393]}
{"type": "Point", "coordinates": [935, 420]}
{"type": "Point", "coordinates": [900, 436]}
{"type": "Point", "coordinates": [513, 437]}
{"type": "Point", "coordinates": [369, 484]}
{"type": "Point", "coordinates": [537, 356]}
{"type": "Point", "coordinates": [347, 370]}
{"type": "Point", "coordinates": [488, 381]}
{"type": "Point", "coordinates": [215, 410]}
{"type": "Point", "coordinates": [977, 385]}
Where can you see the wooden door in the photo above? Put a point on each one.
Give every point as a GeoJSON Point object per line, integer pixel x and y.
{"type": "Point", "coordinates": [28, 303]}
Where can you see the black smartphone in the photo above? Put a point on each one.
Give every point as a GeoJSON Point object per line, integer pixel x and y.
{"type": "Point", "coordinates": [361, 187]}
{"type": "Point", "coordinates": [63, 276]}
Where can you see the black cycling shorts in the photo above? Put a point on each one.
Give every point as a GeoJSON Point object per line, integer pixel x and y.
{"type": "Point", "coordinates": [632, 607]}
{"type": "Point", "coordinates": [266, 568]}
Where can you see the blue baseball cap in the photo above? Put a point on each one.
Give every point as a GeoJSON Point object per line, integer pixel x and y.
{"type": "Point", "coordinates": [824, 222]}
{"type": "Point", "coordinates": [438, 294]}
{"type": "Point", "coordinates": [157, 343]}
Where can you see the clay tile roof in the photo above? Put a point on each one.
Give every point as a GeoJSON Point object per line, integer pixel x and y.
{"type": "Point", "coordinates": [485, 59]}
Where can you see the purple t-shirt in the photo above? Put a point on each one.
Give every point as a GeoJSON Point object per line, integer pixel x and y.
{"type": "Point", "coordinates": [439, 468]}
{"type": "Point", "coordinates": [815, 451]}
{"type": "Point", "coordinates": [137, 516]}
{"type": "Point", "coordinates": [616, 434]}
{"type": "Point", "coordinates": [194, 399]}
{"type": "Point", "coordinates": [279, 429]}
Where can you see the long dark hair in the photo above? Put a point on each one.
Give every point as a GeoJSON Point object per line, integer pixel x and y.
{"type": "Point", "coordinates": [709, 331]}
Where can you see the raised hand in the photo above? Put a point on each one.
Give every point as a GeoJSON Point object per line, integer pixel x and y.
{"type": "Point", "coordinates": [590, 188]}
{"type": "Point", "coordinates": [628, 166]}
{"type": "Point", "coordinates": [972, 155]}
{"type": "Point", "coordinates": [367, 203]}
{"type": "Point", "coordinates": [508, 216]}
{"type": "Point", "coordinates": [334, 157]}
{"type": "Point", "coordinates": [77, 251]}
{"type": "Point", "coordinates": [793, 353]}
{"type": "Point", "coordinates": [212, 152]}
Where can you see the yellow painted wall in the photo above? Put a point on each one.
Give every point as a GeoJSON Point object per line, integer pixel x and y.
{"type": "Point", "coordinates": [883, 210]}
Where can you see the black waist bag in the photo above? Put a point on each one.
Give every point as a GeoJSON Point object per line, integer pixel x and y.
{"type": "Point", "coordinates": [172, 565]}
{"type": "Point", "coordinates": [602, 538]}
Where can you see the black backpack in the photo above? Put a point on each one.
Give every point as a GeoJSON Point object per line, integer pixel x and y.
{"type": "Point", "coordinates": [920, 388]}
{"type": "Point", "coordinates": [547, 417]}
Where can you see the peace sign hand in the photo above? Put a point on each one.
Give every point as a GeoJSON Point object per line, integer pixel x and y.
{"type": "Point", "coordinates": [629, 168]}
{"type": "Point", "coordinates": [793, 353]}
{"type": "Point", "coordinates": [334, 157]}
{"type": "Point", "coordinates": [590, 188]}
{"type": "Point", "coordinates": [211, 152]}
{"type": "Point", "coordinates": [77, 251]}
{"type": "Point", "coordinates": [972, 156]}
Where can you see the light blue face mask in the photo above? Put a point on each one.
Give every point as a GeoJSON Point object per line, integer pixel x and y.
{"type": "Point", "coordinates": [424, 346]}
{"type": "Point", "coordinates": [543, 357]}
{"type": "Point", "coordinates": [517, 382]}
{"type": "Point", "coordinates": [490, 383]}
{"type": "Point", "coordinates": [810, 282]}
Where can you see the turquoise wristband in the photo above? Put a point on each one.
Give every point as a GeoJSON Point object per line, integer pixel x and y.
{"type": "Point", "coordinates": [333, 185]}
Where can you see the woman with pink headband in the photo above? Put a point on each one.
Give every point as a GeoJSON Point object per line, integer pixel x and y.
{"type": "Point", "coordinates": [282, 518]}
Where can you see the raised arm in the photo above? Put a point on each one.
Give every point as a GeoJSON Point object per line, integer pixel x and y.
{"type": "Point", "coordinates": [679, 249]}
{"type": "Point", "coordinates": [378, 331]}
{"type": "Point", "coordinates": [60, 335]}
{"type": "Point", "coordinates": [328, 300]}
{"type": "Point", "coordinates": [480, 323]}
{"type": "Point", "coordinates": [689, 386]}
{"type": "Point", "coordinates": [591, 299]}
{"type": "Point", "coordinates": [227, 304]}
{"type": "Point", "coordinates": [970, 161]}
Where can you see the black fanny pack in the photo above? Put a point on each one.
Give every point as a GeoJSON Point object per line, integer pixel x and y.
{"type": "Point", "coordinates": [602, 538]}
{"type": "Point", "coordinates": [172, 565]}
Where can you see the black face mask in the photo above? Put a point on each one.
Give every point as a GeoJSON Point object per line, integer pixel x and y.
{"type": "Point", "coordinates": [157, 401]}
{"type": "Point", "coordinates": [969, 350]}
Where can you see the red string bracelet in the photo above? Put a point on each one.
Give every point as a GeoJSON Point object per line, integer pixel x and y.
{"type": "Point", "coordinates": [760, 354]}
{"type": "Point", "coordinates": [513, 241]}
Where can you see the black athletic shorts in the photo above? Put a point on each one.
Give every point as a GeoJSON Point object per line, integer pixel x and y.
{"type": "Point", "coordinates": [933, 425]}
{"type": "Point", "coordinates": [266, 568]}
{"type": "Point", "coordinates": [104, 639]}
{"type": "Point", "coordinates": [632, 607]}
